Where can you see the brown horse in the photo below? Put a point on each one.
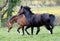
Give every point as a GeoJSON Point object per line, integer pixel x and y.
{"type": "Point", "coordinates": [19, 19]}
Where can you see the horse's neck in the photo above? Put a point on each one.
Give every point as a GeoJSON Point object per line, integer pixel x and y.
{"type": "Point", "coordinates": [28, 14]}
{"type": "Point", "coordinates": [13, 20]}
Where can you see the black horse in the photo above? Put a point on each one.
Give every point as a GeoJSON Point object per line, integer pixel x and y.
{"type": "Point", "coordinates": [37, 20]}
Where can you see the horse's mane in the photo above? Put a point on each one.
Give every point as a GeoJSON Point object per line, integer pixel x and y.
{"type": "Point", "coordinates": [28, 8]}
{"type": "Point", "coordinates": [12, 17]}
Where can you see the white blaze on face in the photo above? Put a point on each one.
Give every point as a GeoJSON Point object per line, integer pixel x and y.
{"type": "Point", "coordinates": [49, 31]}
{"type": "Point", "coordinates": [9, 24]}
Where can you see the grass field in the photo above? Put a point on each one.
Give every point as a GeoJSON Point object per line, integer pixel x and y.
{"type": "Point", "coordinates": [42, 36]}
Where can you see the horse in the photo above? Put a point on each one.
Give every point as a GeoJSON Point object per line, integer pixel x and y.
{"type": "Point", "coordinates": [19, 19]}
{"type": "Point", "coordinates": [37, 20]}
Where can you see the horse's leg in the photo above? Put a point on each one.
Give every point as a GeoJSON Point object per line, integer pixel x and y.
{"type": "Point", "coordinates": [26, 30]}
{"type": "Point", "coordinates": [9, 26]}
{"type": "Point", "coordinates": [32, 30]}
{"type": "Point", "coordinates": [51, 26]}
{"type": "Point", "coordinates": [48, 27]}
{"type": "Point", "coordinates": [23, 30]}
{"type": "Point", "coordinates": [38, 29]}
{"type": "Point", "coordinates": [18, 30]}
{"type": "Point", "coordinates": [51, 30]}
{"type": "Point", "coordinates": [19, 26]}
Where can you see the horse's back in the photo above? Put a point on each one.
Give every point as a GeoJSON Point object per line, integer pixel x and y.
{"type": "Point", "coordinates": [35, 20]}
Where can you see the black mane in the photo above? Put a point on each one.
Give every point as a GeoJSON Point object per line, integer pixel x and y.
{"type": "Point", "coordinates": [28, 8]}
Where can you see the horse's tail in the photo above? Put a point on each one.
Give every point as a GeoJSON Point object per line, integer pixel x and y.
{"type": "Point", "coordinates": [52, 19]}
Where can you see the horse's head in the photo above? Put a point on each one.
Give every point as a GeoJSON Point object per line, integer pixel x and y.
{"type": "Point", "coordinates": [9, 25]}
{"type": "Point", "coordinates": [11, 21]}
{"type": "Point", "coordinates": [24, 10]}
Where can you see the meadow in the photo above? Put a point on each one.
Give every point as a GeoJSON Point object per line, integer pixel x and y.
{"type": "Point", "coordinates": [43, 35]}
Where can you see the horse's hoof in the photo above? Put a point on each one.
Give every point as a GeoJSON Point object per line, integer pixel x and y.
{"type": "Point", "coordinates": [51, 33]}
{"type": "Point", "coordinates": [36, 34]}
{"type": "Point", "coordinates": [23, 34]}
{"type": "Point", "coordinates": [19, 32]}
{"type": "Point", "coordinates": [28, 34]}
{"type": "Point", "coordinates": [31, 34]}
{"type": "Point", "coordinates": [8, 31]}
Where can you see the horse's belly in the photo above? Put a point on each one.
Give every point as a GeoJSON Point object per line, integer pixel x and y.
{"type": "Point", "coordinates": [37, 24]}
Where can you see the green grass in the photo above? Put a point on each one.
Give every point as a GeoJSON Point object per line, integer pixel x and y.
{"type": "Point", "coordinates": [42, 36]}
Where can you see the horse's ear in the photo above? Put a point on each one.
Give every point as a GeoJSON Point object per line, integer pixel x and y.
{"type": "Point", "coordinates": [29, 8]}
{"type": "Point", "coordinates": [21, 6]}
